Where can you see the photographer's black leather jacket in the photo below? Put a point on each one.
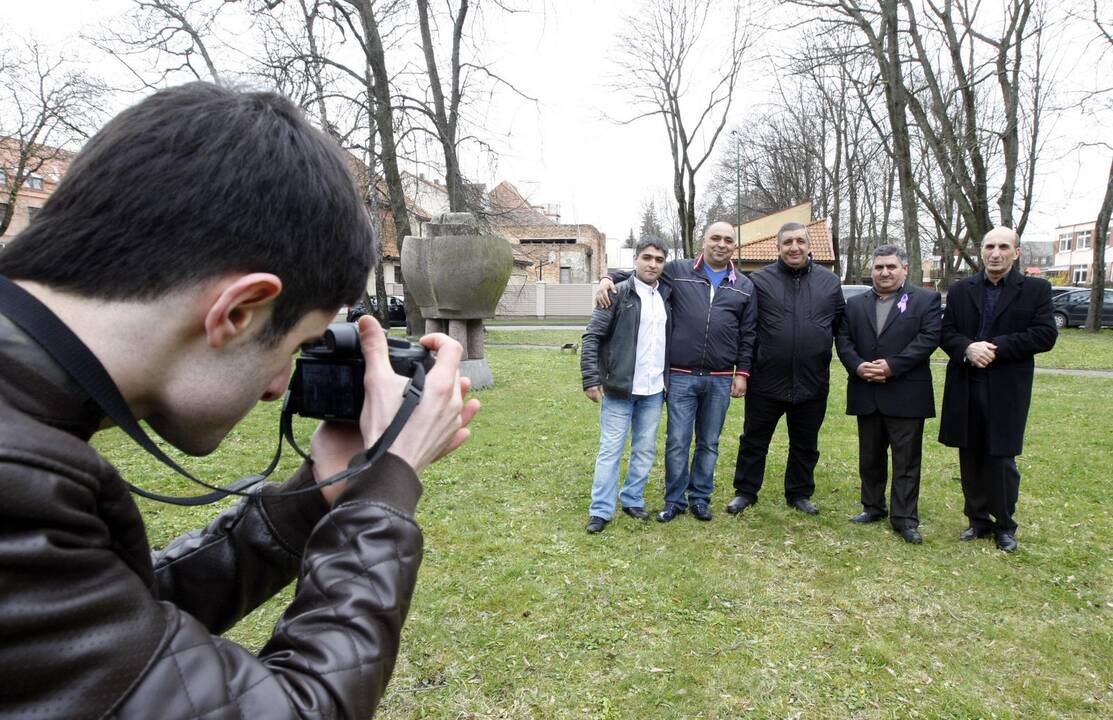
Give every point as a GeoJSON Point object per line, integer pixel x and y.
{"type": "Point", "coordinates": [92, 624]}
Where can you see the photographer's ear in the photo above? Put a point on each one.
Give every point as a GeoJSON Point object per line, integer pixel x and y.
{"type": "Point", "coordinates": [239, 300]}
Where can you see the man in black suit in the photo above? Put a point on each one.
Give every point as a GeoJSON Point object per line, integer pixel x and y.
{"type": "Point", "coordinates": [995, 323]}
{"type": "Point", "coordinates": [885, 341]}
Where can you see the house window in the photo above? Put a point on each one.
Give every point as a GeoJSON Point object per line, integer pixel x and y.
{"type": "Point", "coordinates": [1080, 276]}
{"type": "Point", "coordinates": [1083, 240]}
{"type": "Point", "coordinates": [3, 209]}
{"type": "Point", "coordinates": [3, 178]}
{"type": "Point", "coordinates": [34, 182]}
{"type": "Point", "coordinates": [398, 273]}
{"type": "Point", "coordinates": [1064, 242]}
{"type": "Point", "coordinates": [32, 212]}
{"type": "Point", "coordinates": [565, 275]}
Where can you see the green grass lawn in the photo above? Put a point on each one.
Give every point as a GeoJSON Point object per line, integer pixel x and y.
{"type": "Point", "coordinates": [520, 614]}
{"type": "Point", "coordinates": [1075, 348]}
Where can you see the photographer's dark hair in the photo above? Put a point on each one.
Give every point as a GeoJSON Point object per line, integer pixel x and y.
{"type": "Point", "coordinates": [198, 181]}
{"type": "Point", "coordinates": [651, 242]}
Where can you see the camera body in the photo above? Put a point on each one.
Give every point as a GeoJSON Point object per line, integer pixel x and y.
{"type": "Point", "coordinates": [327, 383]}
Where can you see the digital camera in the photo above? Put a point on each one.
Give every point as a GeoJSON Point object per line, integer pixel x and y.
{"type": "Point", "coordinates": [327, 383]}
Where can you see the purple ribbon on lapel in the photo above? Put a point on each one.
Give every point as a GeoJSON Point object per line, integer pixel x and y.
{"type": "Point", "coordinates": [903, 303]}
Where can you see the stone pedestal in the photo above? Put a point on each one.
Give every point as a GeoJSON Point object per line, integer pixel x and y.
{"type": "Point", "coordinates": [456, 275]}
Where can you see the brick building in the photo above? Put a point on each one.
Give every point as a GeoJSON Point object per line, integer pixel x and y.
{"type": "Point", "coordinates": [42, 169]}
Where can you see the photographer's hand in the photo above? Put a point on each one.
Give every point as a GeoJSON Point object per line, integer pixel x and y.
{"type": "Point", "coordinates": [437, 427]}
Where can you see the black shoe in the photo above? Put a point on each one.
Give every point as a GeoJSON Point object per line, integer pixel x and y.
{"type": "Point", "coordinates": [866, 517]}
{"type": "Point", "coordinates": [637, 513]}
{"type": "Point", "coordinates": [669, 513]}
{"type": "Point", "coordinates": [701, 511]}
{"type": "Point", "coordinates": [738, 504]}
{"type": "Point", "coordinates": [972, 533]}
{"type": "Point", "coordinates": [1006, 541]}
{"type": "Point", "coordinates": [804, 505]}
{"type": "Point", "coordinates": [595, 524]}
{"type": "Point", "coordinates": [911, 535]}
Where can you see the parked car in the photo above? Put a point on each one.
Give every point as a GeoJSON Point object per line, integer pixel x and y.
{"type": "Point", "coordinates": [1070, 308]}
{"type": "Point", "coordinates": [849, 291]}
{"type": "Point", "coordinates": [395, 310]}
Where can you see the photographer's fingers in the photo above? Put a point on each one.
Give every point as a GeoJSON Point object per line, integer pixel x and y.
{"type": "Point", "coordinates": [471, 407]}
{"type": "Point", "coordinates": [382, 387]}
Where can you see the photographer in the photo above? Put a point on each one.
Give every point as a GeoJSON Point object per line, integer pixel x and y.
{"type": "Point", "coordinates": [197, 241]}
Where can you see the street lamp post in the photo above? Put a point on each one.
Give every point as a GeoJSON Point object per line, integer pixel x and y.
{"type": "Point", "coordinates": [737, 187]}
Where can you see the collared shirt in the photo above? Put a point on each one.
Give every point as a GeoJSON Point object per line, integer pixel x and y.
{"type": "Point", "coordinates": [989, 305]}
{"type": "Point", "coordinates": [649, 365]}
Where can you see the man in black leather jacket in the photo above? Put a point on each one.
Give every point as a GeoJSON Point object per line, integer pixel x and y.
{"type": "Point", "coordinates": [799, 305]}
{"type": "Point", "coordinates": [194, 244]}
{"type": "Point", "coordinates": [624, 362]}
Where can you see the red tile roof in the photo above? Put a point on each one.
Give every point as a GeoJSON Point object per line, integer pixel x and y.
{"type": "Point", "coordinates": [765, 249]}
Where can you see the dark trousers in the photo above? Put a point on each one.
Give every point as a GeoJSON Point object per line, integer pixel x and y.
{"type": "Point", "coordinates": [762, 415]}
{"type": "Point", "coordinates": [877, 435]}
{"type": "Point", "coordinates": [990, 483]}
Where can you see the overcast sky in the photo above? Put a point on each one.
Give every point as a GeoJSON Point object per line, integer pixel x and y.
{"type": "Point", "coordinates": [564, 150]}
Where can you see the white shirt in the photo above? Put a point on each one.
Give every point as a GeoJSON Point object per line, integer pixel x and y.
{"type": "Point", "coordinates": [649, 363]}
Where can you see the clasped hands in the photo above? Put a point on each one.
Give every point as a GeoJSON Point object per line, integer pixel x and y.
{"type": "Point", "coordinates": [980, 354]}
{"type": "Point", "coordinates": [875, 371]}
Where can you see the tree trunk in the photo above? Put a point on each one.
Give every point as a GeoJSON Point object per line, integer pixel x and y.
{"type": "Point", "coordinates": [384, 121]}
{"type": "Point", "coordinates": [896, 103]}
{"type": "Point", "coordinates": [1101, 235]}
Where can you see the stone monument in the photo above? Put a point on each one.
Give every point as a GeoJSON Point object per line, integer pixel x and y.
{"type": "Point", "coordinates": [456, 274]}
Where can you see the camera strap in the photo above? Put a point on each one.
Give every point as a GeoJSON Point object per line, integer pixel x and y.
{"type": "Point", "coordinates": [79, 362]}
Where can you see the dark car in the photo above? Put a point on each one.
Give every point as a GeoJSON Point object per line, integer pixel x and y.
{"type": "Point", "coordinates": [1070, 308]}
{"type": "Point", "coordinates": [395, 310]}
{"type": "Point", "coordinates": [849, 291]}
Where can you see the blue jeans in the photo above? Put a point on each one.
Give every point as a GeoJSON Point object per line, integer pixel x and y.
{"type": "Point", "coordinates": [641, 415]}
{"type": "Point", "coordinates": [700, 401]}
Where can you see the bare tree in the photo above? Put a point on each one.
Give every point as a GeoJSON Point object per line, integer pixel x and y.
{"type": "Point", "coordinates": [172, 37]}
{"type": "Point", "coordinates": [1104, 25]}
{"type": "Point", "coordinates": [45, 107]}
{"type": "Point", "coordinates": [658, 63]}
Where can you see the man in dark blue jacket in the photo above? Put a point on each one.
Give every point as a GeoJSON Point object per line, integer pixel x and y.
{"type": "Point", "coordinates": [711, 345]}
{"type": "Point", "coordinates": [800, 304]}
{"type": "Point", "coordinates": [624, 359]}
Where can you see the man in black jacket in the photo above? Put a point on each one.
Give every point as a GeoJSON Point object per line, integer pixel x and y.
{"type": "Point", "coordinates": [799, 308]}
{"type": "Point", "coordinates": [196, 241]}
{"type": "Point", "coordinates": [885, 342]}
{"type": "Point", "coordinates": [623, 360]}
{"type": "Point", "coordinates": [995, 323]}
{"type": "Point", "coordinates": [711, 345]}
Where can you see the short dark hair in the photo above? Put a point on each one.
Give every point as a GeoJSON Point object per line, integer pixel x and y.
{"type": "Point", "coordinates": [650, 242]}
{"type": "Point", "coordinates": [198, 181]}
{"type": "Point", "coordinates": [787, 227]}
{"type": "Point", "coordinates": [890, 249]}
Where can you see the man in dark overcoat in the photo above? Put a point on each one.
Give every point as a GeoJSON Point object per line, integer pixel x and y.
{"type": "Point", "coordinates": [885, 342]}
{"type": "Point", "coordinates": [995, 323]}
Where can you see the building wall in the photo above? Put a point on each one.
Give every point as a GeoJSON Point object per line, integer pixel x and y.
{"type": "Point", "coordinates": [1074, 264]}
{"type": "Point", "coordinates": [770, 224]}
{"type": "Point", "coordinates": [32, 195]}
{"type": "Point", "coordinates": [576, 253]}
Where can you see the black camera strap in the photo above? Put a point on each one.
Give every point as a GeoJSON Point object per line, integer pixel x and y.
{"type": "Point", "coordinates": [48, 330]}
